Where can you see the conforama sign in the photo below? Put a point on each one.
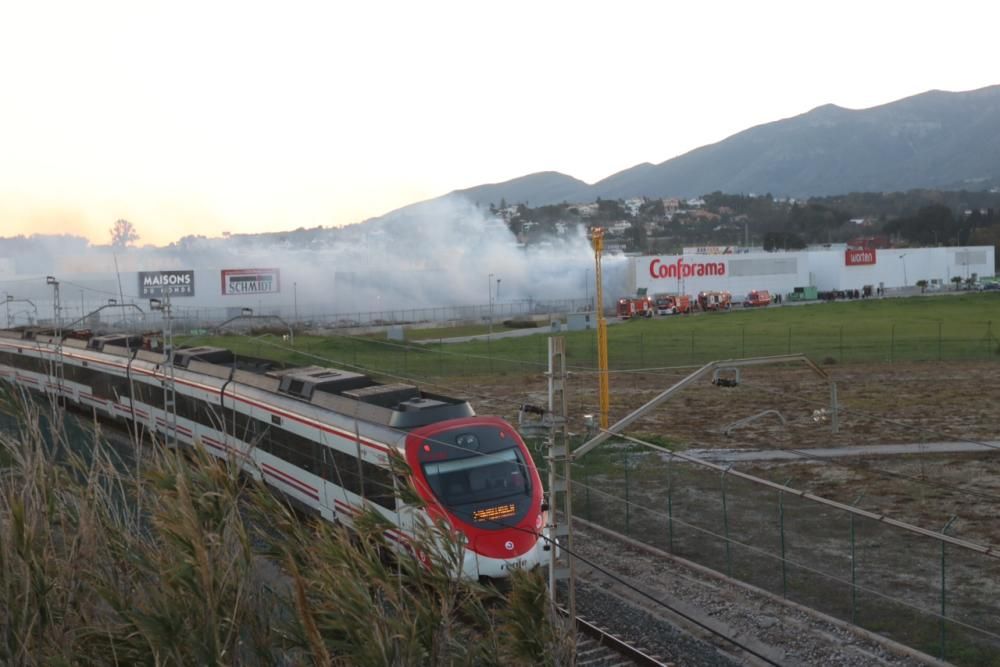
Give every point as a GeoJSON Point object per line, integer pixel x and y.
{"type": "Point", "coordinates": [860, 257]}
{"type": "Point", "coordinates": [680, 268]}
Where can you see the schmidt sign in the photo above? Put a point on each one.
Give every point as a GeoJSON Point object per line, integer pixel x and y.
{"type": "Point", "coordinates": [156, 284]}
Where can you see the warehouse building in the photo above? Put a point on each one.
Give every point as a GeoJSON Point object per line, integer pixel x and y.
{"type": "Point", "coordinates": [835, 268]}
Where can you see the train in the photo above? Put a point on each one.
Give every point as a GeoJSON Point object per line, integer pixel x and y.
{"type": "Point", "coordinates": [323, 438]}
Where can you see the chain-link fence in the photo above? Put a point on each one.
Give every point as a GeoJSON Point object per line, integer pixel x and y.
{"type": "Point", "coordinates": [934, 594]}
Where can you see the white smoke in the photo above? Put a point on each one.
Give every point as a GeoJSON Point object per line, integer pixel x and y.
{"type": "Point", "coordinates": [436, 255]}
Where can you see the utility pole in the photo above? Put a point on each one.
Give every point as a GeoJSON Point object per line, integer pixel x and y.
{"type": "Point", "coordinates": [597, 236]}
{"type": "Point", "coordinates": [169, 391]}
{"type": "Point", "coordinates": [58, 371]}
{"type": "Point", "coordinates": [559, 462]}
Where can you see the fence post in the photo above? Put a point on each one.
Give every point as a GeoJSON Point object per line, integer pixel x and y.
{"type": "Point", "coordinates": [854, 579]}
{"type": "Point", "coordinates": [725, 525]}
{"type": "Point", "coordinates": [944, 596]}
{"type": "Point", "coordinates": [670, 507]}
{"type": "Point", "coordinates": [841, 343]}
{"type": "Point", "coordinates": [626, 497]}
{"type": "Point", "coordinates": [939, 340]}
{"type": "Point", "coordinates": [781, 534]}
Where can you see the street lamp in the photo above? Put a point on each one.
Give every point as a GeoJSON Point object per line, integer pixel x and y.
{"type": "Point", "coordinates": [902, 258]}
{"type": "Point", "coordinates": [50, 280]}
{"type": "Point", "coordinates": [489, 287]}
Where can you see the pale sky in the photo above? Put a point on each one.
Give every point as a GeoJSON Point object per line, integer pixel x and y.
{"type": "Point", "coordinates": [203, 117]}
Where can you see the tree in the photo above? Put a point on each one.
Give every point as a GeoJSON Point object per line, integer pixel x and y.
{"type": "Point", "coordinates": [123, 233]}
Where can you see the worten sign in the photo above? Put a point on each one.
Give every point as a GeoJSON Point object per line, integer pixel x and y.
{"type": "Point", "coordinates": [859, 257]}
{"type": "Point", "coordinates": [156, 284]}
{"type": "Point", "coordinates": [250, 281]}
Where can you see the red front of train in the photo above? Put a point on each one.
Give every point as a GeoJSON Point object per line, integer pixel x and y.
{"type": "Point", "coordinates": [478, 472]}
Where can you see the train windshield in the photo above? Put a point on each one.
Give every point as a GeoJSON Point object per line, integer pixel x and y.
{"type": "Point", "coordinates": [478, 479]}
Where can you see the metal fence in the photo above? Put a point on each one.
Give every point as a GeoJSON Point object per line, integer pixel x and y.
{"type": "Point", "coordinates": [187, 317]}
{"type": "Point", "coordinates": [935, 595]}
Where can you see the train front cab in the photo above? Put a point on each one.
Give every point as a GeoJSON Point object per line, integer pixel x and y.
{"type": "Point", "coordinates": [478, 473]}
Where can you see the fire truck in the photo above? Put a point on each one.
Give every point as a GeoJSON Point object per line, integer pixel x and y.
{"type": "Point", "coordinates": [671, 304]}
{"type": "Point", "coordinates": [635, 306]}
{"type": "Point", "coordinates": [715, 301]}
{"type": "Point", "coordinates": [757, 298]}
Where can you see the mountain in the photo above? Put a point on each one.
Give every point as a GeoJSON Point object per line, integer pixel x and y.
{"type": "Point", "coordinates": [938, 139]}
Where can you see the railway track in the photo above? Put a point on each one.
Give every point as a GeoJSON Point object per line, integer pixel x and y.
{"type": "Point", "coordinates": [597, 646]}
{"type": "Point", "coordinates": [687, 615]}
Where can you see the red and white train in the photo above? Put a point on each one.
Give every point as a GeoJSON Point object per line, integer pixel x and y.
{"type": "Point", "coordinates": [320, 436]}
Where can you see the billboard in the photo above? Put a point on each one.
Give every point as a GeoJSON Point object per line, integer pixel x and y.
{"type": "Point", "coordinates": [862, 257]}
{"type": "Point", "coordinates": [156, 284]}
{"type": "Point", "coordinates": [250, 281]}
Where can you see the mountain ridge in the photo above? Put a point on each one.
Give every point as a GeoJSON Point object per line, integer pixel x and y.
{"type": "Point", "coordinates": [935, 139]}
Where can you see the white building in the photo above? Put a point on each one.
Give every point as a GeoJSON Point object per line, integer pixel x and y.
{"type": "Point", "coordinates": [828, 269]}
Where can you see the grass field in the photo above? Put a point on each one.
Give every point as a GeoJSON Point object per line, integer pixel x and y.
{"type": "Point", "coordinates": [882, 330]}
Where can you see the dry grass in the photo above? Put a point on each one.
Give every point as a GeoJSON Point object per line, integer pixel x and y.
{"type": "Point", "coordinates": [182, 560]}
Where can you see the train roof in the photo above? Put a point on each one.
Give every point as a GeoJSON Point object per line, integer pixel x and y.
{"type": "Point", "coordinates": [398, 405]}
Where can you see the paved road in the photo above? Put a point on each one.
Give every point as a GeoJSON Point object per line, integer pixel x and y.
{"type": "Point", "coordinates": [735, 456]}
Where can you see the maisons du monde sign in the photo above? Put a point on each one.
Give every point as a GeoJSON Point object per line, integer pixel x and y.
{"type": "Point", "coordinates": [157, 284]}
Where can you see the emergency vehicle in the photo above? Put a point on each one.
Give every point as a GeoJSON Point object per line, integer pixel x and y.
{"type": "Point", "coordinates": [636, 306]}
{"type": "Point", "coordinates": [672, 304]}
{"type": "Point", "coordinates": [715, 301]}
{"type": "Point", "coordinates": [757, 298]}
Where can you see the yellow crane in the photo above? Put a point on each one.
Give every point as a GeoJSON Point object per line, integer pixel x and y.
{"type": "Point", "coordinates": [597, 237]}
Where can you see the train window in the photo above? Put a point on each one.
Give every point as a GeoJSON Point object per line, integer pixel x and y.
{"type": "Point", "coordinates": [479, 478]}
{"type": "Point", "coordinates": [378, 485]}
{"type": "Point", "coordinates": [252, 431]}
{"type": "Point", "coordinates": [341, 469]}
{"type": "Point", "coordinates": [295, 449]}
{"type": "Point", "coordinates": [151, 395]}
{"type": "Point", "coordinates": [276, 420]}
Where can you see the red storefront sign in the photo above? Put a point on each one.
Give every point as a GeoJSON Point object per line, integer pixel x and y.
{"type": "Point", "coordinates": [681, 269]}
{"type": "Point", "coordinates": [861, 257]}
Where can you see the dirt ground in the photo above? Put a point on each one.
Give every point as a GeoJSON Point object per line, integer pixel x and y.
{"type": "Point", "coordinates": [878, 404]}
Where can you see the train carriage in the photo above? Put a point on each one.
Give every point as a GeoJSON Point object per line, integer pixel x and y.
{"type": "Point", "coordinates": [322, 437]}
